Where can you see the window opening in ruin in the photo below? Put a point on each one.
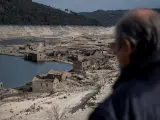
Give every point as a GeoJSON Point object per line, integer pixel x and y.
{"type": "Point", "coordinates": [41, 84]}
{"type": "Point", "coordinates": [47, 84]}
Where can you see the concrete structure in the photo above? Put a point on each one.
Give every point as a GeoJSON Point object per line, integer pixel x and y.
{"type": "Point", "coordinates": [1, 85]}
{"type": "Point", "coordinates": [35, 56]}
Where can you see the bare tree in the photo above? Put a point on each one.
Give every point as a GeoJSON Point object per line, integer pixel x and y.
{"type": "Point", "coordinates": [54, 113]}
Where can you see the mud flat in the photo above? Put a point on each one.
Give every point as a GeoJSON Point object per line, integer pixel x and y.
{"type": "Point", "coordinates": [31, 32]}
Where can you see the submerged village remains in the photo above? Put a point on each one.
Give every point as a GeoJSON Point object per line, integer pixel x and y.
{"type": "Point", "coordinates": [69, 94]}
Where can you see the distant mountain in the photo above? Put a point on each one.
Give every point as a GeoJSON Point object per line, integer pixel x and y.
{"type": "Point", "coordinates": [26, 12]}
{"type": "Point", "coordinates": [107, 18]}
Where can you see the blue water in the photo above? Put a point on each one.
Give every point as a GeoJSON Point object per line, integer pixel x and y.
{"type": "Point", "coordinates": [15, 71]}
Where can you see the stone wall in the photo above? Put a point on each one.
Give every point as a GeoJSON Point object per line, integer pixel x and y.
{"type": "Point", "coordinates": [45, 85]}
{"type": "Point", "coordinates": [35, 56]}
{"type": "Point", "coordinates": [41, 86]}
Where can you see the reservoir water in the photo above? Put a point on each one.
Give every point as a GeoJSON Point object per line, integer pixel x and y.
{"type": "Point", "coordinates": [15, 71]}
{"type": "Point", "coordinates": [17, 42]}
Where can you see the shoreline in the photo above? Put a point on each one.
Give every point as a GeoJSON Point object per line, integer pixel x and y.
{"type": "Point", "coordinates": [46, 60]}
{"type": "Point", "coordinates": [15, 55]}
{"type": "Point", "coordinates": [22, 57]}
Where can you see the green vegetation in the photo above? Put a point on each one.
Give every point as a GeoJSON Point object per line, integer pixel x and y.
{"type": "Point", "coordinates": [26, 12]}
{"type": "Point", "coordinates": [107, 18]}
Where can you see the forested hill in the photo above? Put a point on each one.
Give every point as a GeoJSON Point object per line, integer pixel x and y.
{"type": "Point", "coordinates": [107, 18]}
{"type": "Point", "coordinates": [26, 12]}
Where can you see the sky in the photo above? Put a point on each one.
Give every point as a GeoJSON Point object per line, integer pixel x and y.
{"type": "Point", "coordinates": [93, 5]}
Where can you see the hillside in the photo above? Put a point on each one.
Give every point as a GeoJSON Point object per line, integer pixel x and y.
{"type": "Point", "coordinates": [26, 12]}
{"type": "Point", "coordinates": [107, 18]}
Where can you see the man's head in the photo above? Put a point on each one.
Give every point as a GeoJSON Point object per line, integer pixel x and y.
{"type": "Point", "coordinates": [137, 36]}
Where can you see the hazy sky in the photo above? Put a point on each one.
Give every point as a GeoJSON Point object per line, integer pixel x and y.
{"type": "Point", "coordinates": [92, 5]}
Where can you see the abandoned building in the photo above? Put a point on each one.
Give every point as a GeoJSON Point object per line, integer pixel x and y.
{"type": "Point", "coordinates": [57, 53]}
{"type": "Point", "coordinates": [61, 75]}
{"type": "Point", "coordinates": [22, 50]}
{"type": "Point", "coordinates": [81, 64]}
{"type": "Point", "coordinates": [4, 50]}
{"type": "Point", "coordinates": [50, 81]}
{"type": "Point", "coordinates": [44, 85]}
{"type": "Point", "coordinates": [35, 56]}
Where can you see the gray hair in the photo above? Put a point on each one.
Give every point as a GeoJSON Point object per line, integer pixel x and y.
{"type": "Point", "coordinates": [144, 35]}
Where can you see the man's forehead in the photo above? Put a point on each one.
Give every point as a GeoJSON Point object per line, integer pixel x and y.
{"type": "Point", "coordinates": [142, 14]}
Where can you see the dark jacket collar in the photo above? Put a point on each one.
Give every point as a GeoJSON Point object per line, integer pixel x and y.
{"type": "Point", "coordinates": [135, 70]}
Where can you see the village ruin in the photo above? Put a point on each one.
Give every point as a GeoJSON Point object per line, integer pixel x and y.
{"type": "Point", "coordinates": [88, 49]}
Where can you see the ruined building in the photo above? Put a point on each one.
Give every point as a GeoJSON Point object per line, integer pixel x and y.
{"type": "Point", "coordinates": [35, 56]}
{"type": "Point", "coordinates": [60, 75]}
{"type": "Point", "coordinates": [44, 85]}
{"type": "Point", "coordinates": [50, 81]}
{"type": "Point", "coordinates": [81, 64]}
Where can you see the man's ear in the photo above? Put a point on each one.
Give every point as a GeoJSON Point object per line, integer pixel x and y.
{"type": "Point", "coordinates": [127, 48]}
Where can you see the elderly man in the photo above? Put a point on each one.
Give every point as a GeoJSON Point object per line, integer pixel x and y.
{"type": "Point", "coordinates": [136, 94]}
